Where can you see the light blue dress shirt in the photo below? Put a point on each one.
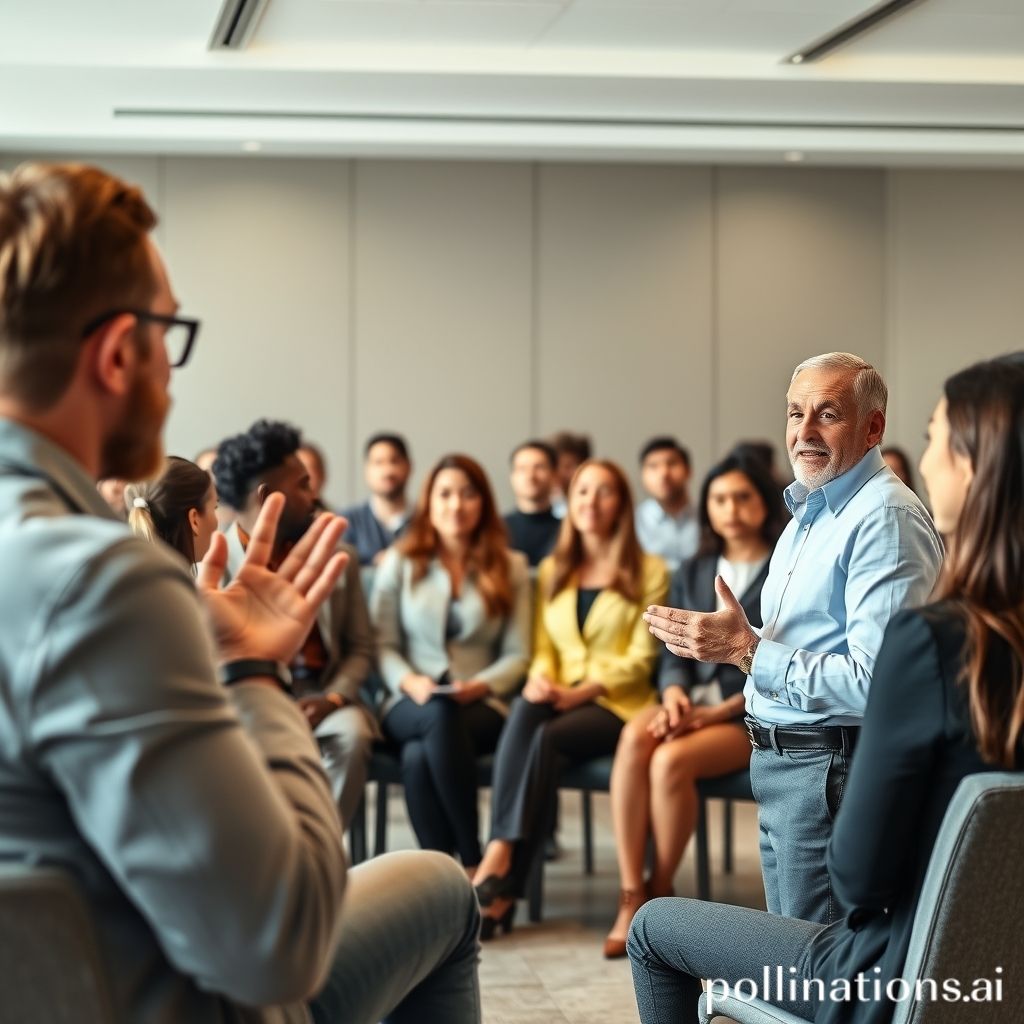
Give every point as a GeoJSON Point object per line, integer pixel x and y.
{"type": "Point", "coordinates": [671, 538]}
{"type": "Point", "coordinates": [857, 550]}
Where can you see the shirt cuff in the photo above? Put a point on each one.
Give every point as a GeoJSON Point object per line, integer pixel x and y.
{"type": "Point", "coordinates": [769, 669]}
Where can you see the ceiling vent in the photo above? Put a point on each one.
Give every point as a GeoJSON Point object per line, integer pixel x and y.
{"type": "Point", "coordinates": [236, 24]}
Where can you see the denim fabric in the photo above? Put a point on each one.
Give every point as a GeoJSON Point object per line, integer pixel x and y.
{"type": "Point", "coordinates": [408, 951]}
{"type": "Point", "coordinates": [674, 943]}
{"type": "Point", "coordinates": [798, 793]}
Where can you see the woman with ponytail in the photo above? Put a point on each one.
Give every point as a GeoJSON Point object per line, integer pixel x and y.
{"type": "Point", "coordinates": [179, 507]}
{"type": "Point", "coordinates": [946, 701]}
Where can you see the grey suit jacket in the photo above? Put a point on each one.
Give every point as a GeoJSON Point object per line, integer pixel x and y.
{"type": "Point", "coordinates": [344, 623]}
{"type": "Point", "coordinates": [411, 622]}
{"type": "Point", "coordinates": [201, 829]}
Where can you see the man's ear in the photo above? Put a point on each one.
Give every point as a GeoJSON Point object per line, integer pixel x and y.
{"type": "Point", "coordinates": [262, 493]}
{"type": "Point", "coordinates": [114, 354]}
{"type": "Point", "coordinates": [876, 428]}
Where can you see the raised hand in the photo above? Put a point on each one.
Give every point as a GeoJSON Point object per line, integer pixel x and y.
{"type": "Point", "coordinates": [720, 637]}
{"type": "Point", "coordinates": [266, 614]}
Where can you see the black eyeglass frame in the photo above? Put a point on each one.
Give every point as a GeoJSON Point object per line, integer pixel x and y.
{"type": "Point", "coordinates": [160, 318]}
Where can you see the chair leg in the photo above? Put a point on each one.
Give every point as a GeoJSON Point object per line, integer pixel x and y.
{"type": "Point", "coordinates": [357, 834]}
{"type": "Point", "coordinates": [588, 832]}
{"type": "Point", "coordinates": [703, 871]}
{"type": "Point", "coordinates": [380, 842]}
{"type": "Point", "coordinates": [727, 837]}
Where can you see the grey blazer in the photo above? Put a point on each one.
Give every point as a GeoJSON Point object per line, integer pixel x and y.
{"type": "Point", "coordinates": [411, 621]}
{"type": "Point", "coordinates": [344, 623]}
{"type": "Point", "coordinates": [199, 825]}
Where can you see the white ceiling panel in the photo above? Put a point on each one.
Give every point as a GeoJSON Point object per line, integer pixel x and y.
{"type": "Point", "coordinates": [377, 23]}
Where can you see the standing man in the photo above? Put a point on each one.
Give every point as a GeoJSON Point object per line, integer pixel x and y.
{"type": "Point", "coordinates": [377, 523]}
{"type": "Point", "coordinates": [860, 547]}
{"type": "Point", "coordinates": [337, 655]}
{"type": "Point", "coordinates": [666, 523]}
{"type": "Point", "coordinates": [533, 527]}
{"type": "Point", "coordinates": [157, 762]}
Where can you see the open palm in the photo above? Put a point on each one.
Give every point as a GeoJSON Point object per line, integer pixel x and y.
{"type": "Point", "coordinates": [267, 614]}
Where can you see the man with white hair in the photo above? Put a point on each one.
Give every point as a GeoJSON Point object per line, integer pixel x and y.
{"type": "Point", "coordinates": [860, 547]}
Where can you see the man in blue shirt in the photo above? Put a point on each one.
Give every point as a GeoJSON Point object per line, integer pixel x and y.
{"type": "Point", "coordinates": [860, 547]}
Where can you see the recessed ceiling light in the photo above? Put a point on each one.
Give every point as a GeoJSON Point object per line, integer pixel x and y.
{"type": "Point", "coordinates": [252, 147]}
{"type": "Point", "coordinates": [793, 156]}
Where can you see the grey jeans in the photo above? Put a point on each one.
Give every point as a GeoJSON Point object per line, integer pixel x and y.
{"type": "Point", "coordinates": [408, 946]}
{"type": "Point", "coordinates": [345, 738]}
{"type": "Point", "coordinates": [675, 943]}
{"type": "Point", "coordinates": [798, 794]}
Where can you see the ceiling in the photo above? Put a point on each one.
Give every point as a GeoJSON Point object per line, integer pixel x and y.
{"type": "Point", "coordinates": [654, 80]}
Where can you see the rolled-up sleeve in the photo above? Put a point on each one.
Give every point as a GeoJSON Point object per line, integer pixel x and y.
{"type": "Point", "coordinates": [225, 837]}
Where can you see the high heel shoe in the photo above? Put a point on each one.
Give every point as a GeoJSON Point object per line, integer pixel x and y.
{"type": "Point", "coordinates": [615, 948]}
{"type": "Point", "coordinates": [493, 887]}
{"type": "Point", "coordinates": [490, 925]}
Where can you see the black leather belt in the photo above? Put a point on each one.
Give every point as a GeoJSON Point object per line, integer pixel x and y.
{"type": "Point", "coordinates": [842, 738]}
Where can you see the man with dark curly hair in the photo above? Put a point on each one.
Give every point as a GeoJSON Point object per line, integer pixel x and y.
{"type": "Point", "coordinates": [335, 660]}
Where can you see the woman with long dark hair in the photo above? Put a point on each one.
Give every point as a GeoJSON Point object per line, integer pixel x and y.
{"type": "Point", "coordinates": [946, 701]}
{"type": "Point", "coordinates": [179, 507]}
{"type": "Point", "coordinates": [697, 731]}
{"type": "Point", "coordinates": [591, 673]}
{"type": "Point", "coordinates": [451, 604]}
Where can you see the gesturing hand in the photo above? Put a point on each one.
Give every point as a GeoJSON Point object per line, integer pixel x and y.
{"type": "Point", "coordinates": [721, 637]}
{"type": "Point", "coordinates": [265, 614]}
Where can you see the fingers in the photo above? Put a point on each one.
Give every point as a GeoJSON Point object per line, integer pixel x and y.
{"type": "Point", "coordinates": [264, 533]}
{"type": "Point", "coordinates": [326, 546]}
{"type": "Point", "coordinates": [321, 588]}
{"type": "Point", "coordinates": [672, 638]}
{"type": "Point", "coordinates": [664, 612]}
{"type": "Point", "coordinates": [727, 595]}
{"type": "Point", "coordinates": [309, 546]}
{"type": "Point", "coordinates": [678, 651]}
{"type": "Point", "coordinates": [211, 568]}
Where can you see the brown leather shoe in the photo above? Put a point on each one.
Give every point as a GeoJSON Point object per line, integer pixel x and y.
{"type": "Point", "coordinates": [614, 947]}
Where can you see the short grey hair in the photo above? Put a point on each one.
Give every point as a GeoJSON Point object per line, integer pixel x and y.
{"type": "Point", "coordinates": [869, 389]}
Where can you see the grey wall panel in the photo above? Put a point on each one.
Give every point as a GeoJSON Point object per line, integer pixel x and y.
{"type": "Point", "coordinates": [258, 249]}
{"type": "Point", "coordinates": [955, 284]}
{"type": "Point", "coordinates": [624, 306]}
{"type": "Point", "coordinates": [443, 308]}
{"type": "Point", "coordinates": [800, 270]}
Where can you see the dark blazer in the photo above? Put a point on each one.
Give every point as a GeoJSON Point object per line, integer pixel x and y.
{"type": "Point", "coordinates": [915, 747]}
{"type": "Point", "coordinates": [693, 587]}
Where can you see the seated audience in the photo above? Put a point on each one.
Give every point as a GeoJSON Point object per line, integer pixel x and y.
{"type": "Point", "coordinates": [947, 701]}
{"type": "Point", "coordinates": [666, 522]}
{"type": "Point", "coordinates": [896, 459]}
{"type": "Point", "coordinates": [312, 457]}
{"type": "Point", "coordinates": [533, 527]}
{"type": "Point", "coordinates": [225, 513]}
{"type": "Point", "coordinates": [192, 815]}
{"type": "Point", "coordinates": [374, 525]}
{"type": "Point", "coordinates": [451, 605]}
{"type": "Point", "coordinates": [765, 452]}
{"type": "Point", "coordinates": [112, 492]}
{"type": "Point", "coordinates": [571, 451]}
{"type": "Point", "coordinates": [591, 673]}
{"type": "Point", "coordinates": [697, 731]}
{"type": "Point", "coordinates": [179, 507]}
{"type": "Point", "coordinates": [335, 660]}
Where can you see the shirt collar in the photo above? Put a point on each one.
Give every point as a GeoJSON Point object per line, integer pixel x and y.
{"type": "Point", "coordinates": [656, 512]}
{"type": "Point", "coordinates": [838, 492]}
{"type": "Point", "coordinates": [29, 453]}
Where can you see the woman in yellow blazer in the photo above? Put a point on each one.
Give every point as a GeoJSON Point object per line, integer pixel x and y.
{"type": "Point", "coordinates": [591, 672]}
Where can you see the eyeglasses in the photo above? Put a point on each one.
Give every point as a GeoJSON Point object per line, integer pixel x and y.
{"type": "Point", "coordinates": [179, 331]}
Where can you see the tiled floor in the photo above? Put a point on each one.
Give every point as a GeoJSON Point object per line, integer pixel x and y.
{"type": "Point", "coordinates": [553, 972]}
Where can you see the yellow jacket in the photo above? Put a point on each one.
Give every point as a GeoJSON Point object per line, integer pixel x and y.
{"type": "Point", "coordinates": [616, 648]}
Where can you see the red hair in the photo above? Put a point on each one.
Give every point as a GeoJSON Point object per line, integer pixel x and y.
{"type": "Point", "coordinates": [487, 558]}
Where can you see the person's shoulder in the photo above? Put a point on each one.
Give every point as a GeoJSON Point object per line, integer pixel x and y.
{"type": "Point", "coordinates": [655, 571]}
{"type": "Point", "coordinates": [355, 514]}
{"type": "Point", "coordinates": [518, 565]}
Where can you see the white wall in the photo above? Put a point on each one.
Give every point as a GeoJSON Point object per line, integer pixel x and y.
{"type": "Point", "coordinates": [470, 305]}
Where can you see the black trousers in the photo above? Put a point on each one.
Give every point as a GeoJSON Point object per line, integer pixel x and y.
{"type": "Point", "coordinates": [440, 742]}
{"type": "Point", "coordinates": [536, 742]}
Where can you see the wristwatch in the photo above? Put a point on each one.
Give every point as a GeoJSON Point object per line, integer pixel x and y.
{"type": "Point", "coordinates": [747, 661]}
{"type": "Point", "coordinates": [232, 672]}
